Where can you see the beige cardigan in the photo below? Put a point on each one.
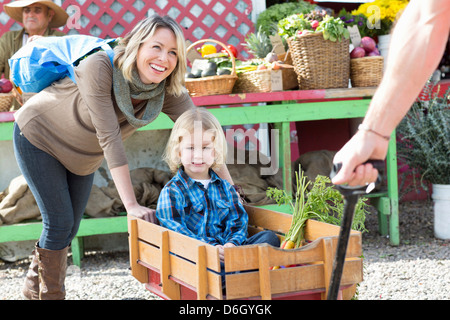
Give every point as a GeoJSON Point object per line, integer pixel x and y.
{"type": "Point", "coordinates": [80, 124]}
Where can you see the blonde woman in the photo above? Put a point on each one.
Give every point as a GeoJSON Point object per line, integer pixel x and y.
{"type": "Point", "coordinates": [62, 135]}
{"type": "Point", "coordinates": [197, 202]}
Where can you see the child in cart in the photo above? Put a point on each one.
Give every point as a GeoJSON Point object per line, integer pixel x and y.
{"type": "Point", "coordinates": [196, 202]}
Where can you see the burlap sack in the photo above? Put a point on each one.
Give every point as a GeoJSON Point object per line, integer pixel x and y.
{"type": "Point", "coordinates": [99, 204]}
{"type": "Point", "coordinates": [19, 203]}
{"type": "Point", "coordinates": [147, 185]}
{"type": "Point", "coordinates": [313, 163]}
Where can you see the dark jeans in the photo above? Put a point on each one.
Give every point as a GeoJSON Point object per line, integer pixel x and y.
{"type": "Point", "coordinates": [265, 236]}
{"type": "Point", "coordinates": [60, 195]}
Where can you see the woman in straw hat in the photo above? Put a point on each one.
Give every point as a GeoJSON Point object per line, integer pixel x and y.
{"type": "Point", "coordinates": [38, 19]}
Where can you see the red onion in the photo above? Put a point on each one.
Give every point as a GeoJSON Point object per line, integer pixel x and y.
{"type": "Point", "coordinates": [375, 52]}
{"type": "Point", "coordinates": [5, 86]}
{"type": "Point", "coordinates": [368, 44]}
{"type": "Point", "coordinates": [358, 52]}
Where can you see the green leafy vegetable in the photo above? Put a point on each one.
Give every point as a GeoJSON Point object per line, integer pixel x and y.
{"type": "Point", "coordinates": [323, 203]}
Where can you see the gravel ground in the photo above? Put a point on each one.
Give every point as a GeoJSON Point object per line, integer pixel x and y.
{"type": "Point", "coordinates": [418, 269]}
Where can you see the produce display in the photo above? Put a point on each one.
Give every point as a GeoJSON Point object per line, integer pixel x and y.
{"type": "Point", "coordinates": [367, 48]}
{"type": "Point", "coordinates": [268, 19]}
{"type": "Point", "coordinates": [298, 25]}
{"type": "Point", "coordinates": [294, 29]}
{"type": "Point", "coordinates": [215, 72]}
{"type": "Point", "coordinates": [6, 98]}
{"type": "Point", "coordinates": [366, 64]}
{"type": "Point", "coordinates": [219, 63]}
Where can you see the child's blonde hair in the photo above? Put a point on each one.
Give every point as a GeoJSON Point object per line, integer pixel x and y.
{"type": "Point", "coordinates": [187, 123]}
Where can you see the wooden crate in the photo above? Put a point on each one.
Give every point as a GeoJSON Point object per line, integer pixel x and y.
{"type": "Point", "coordinates": [175, 266]}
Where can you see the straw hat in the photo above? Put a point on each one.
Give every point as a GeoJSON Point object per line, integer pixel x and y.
{"type": "Point", "coordinates": [14, 10]}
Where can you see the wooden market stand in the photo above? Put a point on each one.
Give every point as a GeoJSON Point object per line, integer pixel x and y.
{"type": "Point", "coordinates": [281, 109]}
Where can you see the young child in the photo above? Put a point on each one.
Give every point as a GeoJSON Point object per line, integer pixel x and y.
{"type": "Point", "coordinates": [196, 202]}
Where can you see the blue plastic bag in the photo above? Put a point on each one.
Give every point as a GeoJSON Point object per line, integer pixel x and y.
{"type": "Point", "coordinates": [45, 60]}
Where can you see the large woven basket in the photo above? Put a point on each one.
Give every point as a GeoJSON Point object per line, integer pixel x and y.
{"type": "Point", "coordinates": [261, 81]}
{"type": "Point", "coordinates": [212, 85]}
{"type": "Point", "coordinates": [366, 71]}
{"type": "Point", "coordinates": [319, 63]}
{"type": "Point", "coordinates": [6, 101]}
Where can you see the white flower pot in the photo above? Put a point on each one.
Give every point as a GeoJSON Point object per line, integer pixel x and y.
{"type": "Point", "coordinates": [441, 197]}
{"type": "Point", "coordinates": [383, 46]}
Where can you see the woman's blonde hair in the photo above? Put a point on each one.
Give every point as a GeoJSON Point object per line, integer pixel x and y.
{"type": "Point", "coordinates": [127, 49]}
{"type": "Point", "coordinates": [188, 123]}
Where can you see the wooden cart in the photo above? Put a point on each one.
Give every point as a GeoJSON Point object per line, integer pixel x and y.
{"type": "Point", "coordinates": [175, 266]}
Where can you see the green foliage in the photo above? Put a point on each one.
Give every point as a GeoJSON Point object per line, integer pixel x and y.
{"type": "Point", "coordinates": [323, 203]}
{"type": "Point", "coordinates": [327, 202]}
{"type": "Point", "coordinates": [258, 43]}
{"type": "Point", "coordinates": [333, 29]}
{"type": "Point", "coordinates": [424, 137]}
{"type": "Point", "coordinates": [268, 19]}
{"type": "Point", "coordinates": [359, 20]}
{"type": "Point", "coordinates": [289, 26]}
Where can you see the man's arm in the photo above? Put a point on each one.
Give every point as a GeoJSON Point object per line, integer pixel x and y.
{"type": "Point", "coordinates": [417, 45]}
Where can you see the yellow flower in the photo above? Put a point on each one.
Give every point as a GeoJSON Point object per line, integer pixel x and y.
{"type": "Point", "coordinates": [388, 9]}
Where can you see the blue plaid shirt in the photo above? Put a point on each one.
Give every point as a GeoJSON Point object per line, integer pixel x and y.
{"type": "Point", "coordinates": [213, 215]}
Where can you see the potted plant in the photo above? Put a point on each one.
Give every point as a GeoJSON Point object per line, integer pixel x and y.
{"type": "Point", "coordinates": [424, 145]}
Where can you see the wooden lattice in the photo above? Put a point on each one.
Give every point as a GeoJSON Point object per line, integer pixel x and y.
{"type": "Point", "coordinates": [225, 20]}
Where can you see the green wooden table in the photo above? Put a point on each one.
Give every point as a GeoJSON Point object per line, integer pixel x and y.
{"type": "Point", "coordinates": [283, 108]}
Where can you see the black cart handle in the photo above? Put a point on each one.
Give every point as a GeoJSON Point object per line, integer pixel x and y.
{"type": "Point", "coordinates": [377, 164]}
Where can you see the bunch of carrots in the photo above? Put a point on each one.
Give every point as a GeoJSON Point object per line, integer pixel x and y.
{"type": "Point", "coordinates": [323, 203]}
{"type": "Point", "coordinates": [300, 212]}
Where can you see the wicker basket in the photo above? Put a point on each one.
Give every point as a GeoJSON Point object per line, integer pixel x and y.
{"type": "Point", "coordinates": [214, 84]}
{"type": "Point", "coordinates": [366, 71]}
{"type": "Point", "coordinates": [6, 100]}
{"type": "Point", "coordinates": [319, 63]}
{"type": "Point", "coordinates": [260, 81]}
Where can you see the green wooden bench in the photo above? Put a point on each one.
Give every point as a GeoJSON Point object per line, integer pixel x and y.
{"type": "Point", "coordinates": [88, 227]}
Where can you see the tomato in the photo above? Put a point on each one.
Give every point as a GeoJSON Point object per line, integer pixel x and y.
{"type": "Point", "coordinates": [232, 49]}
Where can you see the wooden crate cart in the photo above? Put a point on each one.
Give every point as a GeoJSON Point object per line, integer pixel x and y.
{"type": "Point", "coordinates": [175, 266]}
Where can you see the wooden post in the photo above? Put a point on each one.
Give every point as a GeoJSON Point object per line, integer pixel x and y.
{"type": "Point", "coordinates": [264, 276]}
{"type": "Point", "coordinates": [327, 264]}
{"type": "Point", "coordinates": [137, 271]}
{"type": "Point", "coordinates": [169, 287]}
{"type": "Point", "coordinates": [202, 280]}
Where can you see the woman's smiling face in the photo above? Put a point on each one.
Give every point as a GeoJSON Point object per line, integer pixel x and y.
{"type": "Point", "coordinates": [157, 57]}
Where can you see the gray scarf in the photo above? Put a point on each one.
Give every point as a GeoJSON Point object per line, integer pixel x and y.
{"type": "Point", "coordinates": [124, 91]}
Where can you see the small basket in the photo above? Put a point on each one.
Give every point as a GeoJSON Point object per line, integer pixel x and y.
{"type": "Point", "coordinates": [6, 101]}
{"type": "Point", "coordinates": [260, 81]}
{"type": "Point", "coordinates": [366, 71]}
{"type": "Point", "coordinates": [319, 63]}
{"type": "Point", "coordinates": [212, 85]}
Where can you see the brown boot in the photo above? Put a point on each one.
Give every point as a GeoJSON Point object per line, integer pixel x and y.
{"type": "Point", "coordinates": [30, 288]}
{"type": "Point", "coordinates": [52, 273]}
